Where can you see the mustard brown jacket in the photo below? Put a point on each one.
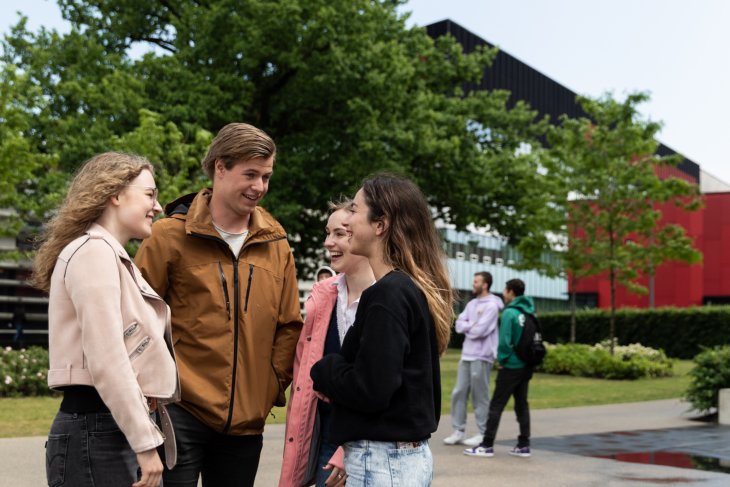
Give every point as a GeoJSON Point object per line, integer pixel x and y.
{"type": "Point", "coordinates": [235, 320]}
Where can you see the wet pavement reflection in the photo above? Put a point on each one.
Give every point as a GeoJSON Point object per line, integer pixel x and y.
{"type": "Point", "coordinates": [705, 447]}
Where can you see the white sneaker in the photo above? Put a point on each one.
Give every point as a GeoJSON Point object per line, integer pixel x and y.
{"type": "Point", "coordinates": [475, 440]}
{"type": "Point", "coordinates": [455, 438]}
{"type": "Point", "coordinates": [480, 451]}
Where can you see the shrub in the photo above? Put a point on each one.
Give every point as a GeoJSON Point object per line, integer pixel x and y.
{"type": "Point", "coordinates": [680, 332]}
{"type": "Point", "coordinates": [710, 374]}
{"type": "Point", "coordinates": [24, 372]}
{"type": "Point", "coordinates": [629, 362]}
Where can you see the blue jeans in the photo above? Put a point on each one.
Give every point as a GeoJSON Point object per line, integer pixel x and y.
{"type": "Point", "coordinates": [326, 450]}
{"type": "Point", "coordinates": [381, 464]}
{"type": "Point", "coordinates": [87, 450]}
{"type": "Point", "coordinates": [221, 460]}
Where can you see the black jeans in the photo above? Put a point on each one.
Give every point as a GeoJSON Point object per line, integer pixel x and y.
{"type": "Point", "coordinates": [510, 382]}
{"type": "Point", "coordinates": [87, 450]}
{"type": "Point", "coordinates": [222, 460]}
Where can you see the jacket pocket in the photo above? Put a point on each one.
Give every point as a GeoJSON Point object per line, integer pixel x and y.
{"type": "Point", "coordinates": [141, 346]}
{"type": "Point", "coordinates": [248, 287]}
{"type": "Point", "coordinates": [56, 451]}
{"type": "Point", "coordinates": [224, 283]}
{"type": "Point", "coordinates": [131, 330]}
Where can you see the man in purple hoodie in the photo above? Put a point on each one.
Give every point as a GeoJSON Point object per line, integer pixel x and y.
{"type": "Point", "coordinates": [478, 324]}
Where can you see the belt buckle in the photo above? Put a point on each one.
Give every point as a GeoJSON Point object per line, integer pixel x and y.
{"type": "Point", "coordinates": [402, 445]}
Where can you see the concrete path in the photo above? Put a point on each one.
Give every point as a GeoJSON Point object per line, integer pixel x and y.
{"type": "Point", "coordinates": [21, 459]}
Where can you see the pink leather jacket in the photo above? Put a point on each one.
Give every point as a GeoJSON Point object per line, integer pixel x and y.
{"type": "Point", "coordinates": [108, 329]}
{"type": "Point", "coordinates": [303, 403]}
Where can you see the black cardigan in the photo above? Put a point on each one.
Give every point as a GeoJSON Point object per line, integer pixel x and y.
{"type": "Point", "coordinates": [385, 383]}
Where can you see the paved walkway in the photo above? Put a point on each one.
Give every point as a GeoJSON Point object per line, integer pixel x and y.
{"type": "Point", "coordinates": [21, 463]}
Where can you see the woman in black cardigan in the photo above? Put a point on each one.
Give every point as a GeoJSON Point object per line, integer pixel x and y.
{"type": "Point", "coordinates": [385, 384]}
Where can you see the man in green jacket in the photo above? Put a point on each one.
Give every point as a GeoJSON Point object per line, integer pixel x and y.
{"type": "Point", "coordinates": [514, 375]}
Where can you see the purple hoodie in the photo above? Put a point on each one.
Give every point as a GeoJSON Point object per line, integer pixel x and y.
{"type": "Point", "coordinates": [478, 323]}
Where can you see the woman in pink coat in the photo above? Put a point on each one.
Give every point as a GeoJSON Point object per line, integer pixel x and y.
{"type": "Point", "coordinates": [309, 458]}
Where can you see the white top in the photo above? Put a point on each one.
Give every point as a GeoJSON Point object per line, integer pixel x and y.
{"type": "Point", "coordinates": [345, 313]}
{"type": "Point", "coordinates": [234, 240]}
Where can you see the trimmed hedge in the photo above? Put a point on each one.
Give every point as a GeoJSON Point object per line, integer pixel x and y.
{"type": "Point", "coordinates": [680, 332]}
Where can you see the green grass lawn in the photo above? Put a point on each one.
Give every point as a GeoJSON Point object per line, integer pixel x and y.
{"type": "Point", "coordinates": [32, 416]}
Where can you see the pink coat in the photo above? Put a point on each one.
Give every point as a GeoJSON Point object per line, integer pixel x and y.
{"type": "Point", "coordinates": [108, 329]}
{"type": "Point", "coordinates": [303, 403]}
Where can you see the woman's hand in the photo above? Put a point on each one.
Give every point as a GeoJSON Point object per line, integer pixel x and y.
{"type": "Point", "coordinates": [337, 477]}
{"type": "Point", "coordinates": [322, 397]}
{"type": "Point", "coordinates": [151, 467]}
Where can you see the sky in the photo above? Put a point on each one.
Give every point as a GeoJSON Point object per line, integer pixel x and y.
{"type": "Point", "coordinates": [676, 50]}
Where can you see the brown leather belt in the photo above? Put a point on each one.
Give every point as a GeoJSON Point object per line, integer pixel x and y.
{"type": "Point", "coordinates": [168, 433]}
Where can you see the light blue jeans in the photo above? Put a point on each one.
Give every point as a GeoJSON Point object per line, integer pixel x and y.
{"type": "Point", "coordinates": [381, 464]}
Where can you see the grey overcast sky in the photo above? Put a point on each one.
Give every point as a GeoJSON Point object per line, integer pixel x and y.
{"type": "Point", "coordinates": [674, 49]}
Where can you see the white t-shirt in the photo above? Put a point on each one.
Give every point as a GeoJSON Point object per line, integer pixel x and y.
{"type": "Point", "coordinates": [234, 240]}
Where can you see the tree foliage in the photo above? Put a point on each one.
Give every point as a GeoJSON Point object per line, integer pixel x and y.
{"type": "Point", "coordinates": [608, 162]}
{"type": "Point", "coordinates": [343, 86]}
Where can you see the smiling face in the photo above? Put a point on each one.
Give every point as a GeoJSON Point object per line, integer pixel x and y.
{"type": "Point", "coordinates": [138, 206]}
{"type": "Point", "coordinates": [337, 243]}
{"type": "Point", "coordinates": [364, 234]}
{"type": "Point", "coordinates": [242, 187]}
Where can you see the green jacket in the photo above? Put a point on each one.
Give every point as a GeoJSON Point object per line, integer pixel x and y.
{"type": "Point", "coordinates": [510, 331]}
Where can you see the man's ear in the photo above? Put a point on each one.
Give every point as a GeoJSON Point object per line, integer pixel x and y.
{"type": "Point", "coordinates": [219, 166]}
{"type": "Point", "coordinates": [381, 226]}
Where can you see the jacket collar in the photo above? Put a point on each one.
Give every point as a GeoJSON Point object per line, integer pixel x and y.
{"type": "Point", "coordinates": [328, 287]}
{"type": "Point", "coordinates": [193, 208]}
{"type": "Point", "coordinates": [97, 231]}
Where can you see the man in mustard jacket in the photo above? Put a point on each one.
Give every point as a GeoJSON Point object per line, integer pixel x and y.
{"type": "Point", "coordinates": [224, 266]}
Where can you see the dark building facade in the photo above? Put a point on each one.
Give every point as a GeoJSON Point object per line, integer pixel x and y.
{"type": "Point", "coordinates": [676, 284]}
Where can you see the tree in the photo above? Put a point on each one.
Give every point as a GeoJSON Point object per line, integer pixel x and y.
{"type": "Point", "coordinates": [29, 186]}
{"type": "Point", "coordinates": [343, 86]}
{"type": "Point", "coordinates": [609, 162]}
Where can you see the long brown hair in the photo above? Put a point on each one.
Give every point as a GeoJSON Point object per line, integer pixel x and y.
{"type": "Point", "coordinates": [412, 244]}
{"type": "Point", "coordinates": [100, 178]}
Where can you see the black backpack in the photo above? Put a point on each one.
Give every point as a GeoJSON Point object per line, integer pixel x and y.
{"type": "Point", "coordinates": [530, 348]}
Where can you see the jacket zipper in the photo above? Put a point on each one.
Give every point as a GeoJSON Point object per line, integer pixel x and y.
{"type": "Point", "coordinates": [248, 287]}
{"type": "Point", "coordinates": [235, 316]}
{"type": "Point", "coordinates": [225, 290]}
{"type": "Point", "coordinates": [235, 344]}
{"type": "Point", "coordinates": [130, 331]}
{"type": "Point", "coordinates": [140, 348]}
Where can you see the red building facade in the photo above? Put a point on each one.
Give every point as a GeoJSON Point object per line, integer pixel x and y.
{"type": "Point", "coordinates": [679, 284]}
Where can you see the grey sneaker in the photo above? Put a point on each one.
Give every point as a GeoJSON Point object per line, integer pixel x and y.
{"type": "Point", "coordinates": [480, 451]}
{"type": "Point", "coordinates": [455, 438]}
{"type": "Point", "coordinates": [523, 452]}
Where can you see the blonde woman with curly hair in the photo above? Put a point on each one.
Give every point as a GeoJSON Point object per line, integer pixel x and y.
{"type": "Point", "coordinates": [385, 385]}
{"type": "Point", "coordinates": [109, 332]}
